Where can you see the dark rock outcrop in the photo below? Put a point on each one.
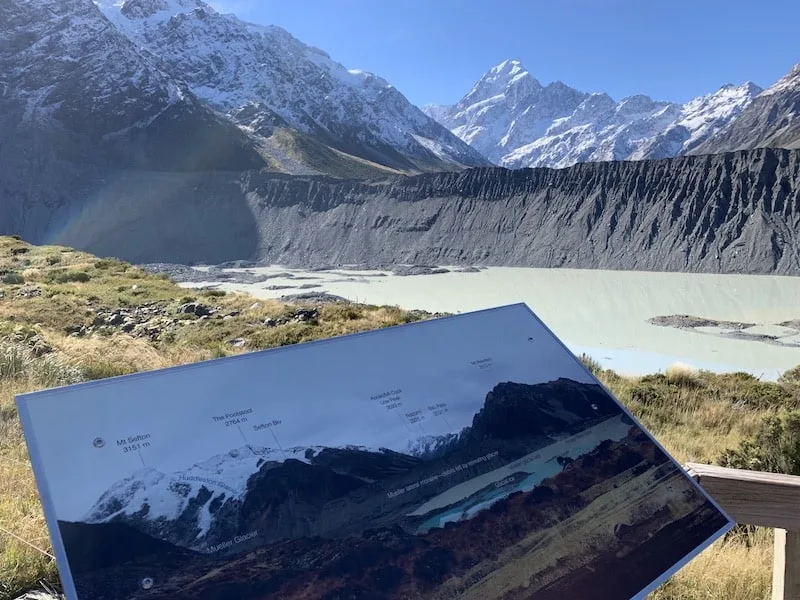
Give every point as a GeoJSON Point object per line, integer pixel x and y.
{"type": "Point", "coordinates": [513, 410]}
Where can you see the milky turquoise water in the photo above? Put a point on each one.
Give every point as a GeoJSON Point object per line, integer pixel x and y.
{"type": "Point", "coordinates": [603, 313]}
{"type": "Point", "coordinates": [494, 486]}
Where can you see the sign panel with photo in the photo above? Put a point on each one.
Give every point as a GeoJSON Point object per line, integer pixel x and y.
{"type": "Point", "coordinates": [470, 456]}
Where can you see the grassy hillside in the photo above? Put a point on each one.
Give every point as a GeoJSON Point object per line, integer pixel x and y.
{"type": "Point", "coordinates": [66, 316]}
{"type": "Point", "coordinates": [289, 150]}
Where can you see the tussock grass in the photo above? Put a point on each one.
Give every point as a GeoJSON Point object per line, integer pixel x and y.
{"type": "Point", "coordinates": [19, 363]}
{"type": "Point", "coordinates": [21, 566]}
{"type": "Point", "coordinates": [682, 375]}
{"type": "Point", "coordinates": [738, 568]}
{"type": "Point", "coordinates": [696, 415]}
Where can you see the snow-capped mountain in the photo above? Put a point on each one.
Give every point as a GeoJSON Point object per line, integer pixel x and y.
{"type": "Point", "coordinates": [194, 494]}
{"type": "Point", "coordinates": [71, 80]}
{"type": "Point", "coordinates": [699, 120]}
{"type": "Point", "coordinates": [267, 81]}
{"type": "Point", "coordinates": [517, 122]}
{"type": "Point", "coordinates": [75, 45]}
{"type": "Point", "coordinates": [772, 119]}
{"type": "Point", "coordinates": [431, 446]}
{"type": "Point", "coordinates": [181, 507]}
{"type": "Point", "coordinates": [599, 129]}
{"type": "Point", "coordinates": [506, 109]}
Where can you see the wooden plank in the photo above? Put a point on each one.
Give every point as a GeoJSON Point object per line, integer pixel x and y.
{"type": "Point", "coordinates": [752, 497]}
{"type": "Point", "coordinates": [786, 566]}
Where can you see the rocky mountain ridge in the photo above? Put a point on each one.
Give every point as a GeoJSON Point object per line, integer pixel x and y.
{"type": "Point", "coordinates": [268, 82]}
{"type": "Point", "coordinates": [517, 122]}
{"type": "Point", "coordinates": [729, 213]}
{"type": "Point", "coordinates": [772, 119]}
{"type": "Point", "coordinates": [129, 132]}
{"type": "Point", "coordinates": [75, 89]}
{"type": "Point", "coordinates": [195, 495]}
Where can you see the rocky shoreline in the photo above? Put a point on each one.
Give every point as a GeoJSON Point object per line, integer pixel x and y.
{"type": "Point", "coordinates": [158, 321]}
{"type": "Point", "coordinates": [784, 334]}
{"type": "Point", "coordinates": [240, 271]}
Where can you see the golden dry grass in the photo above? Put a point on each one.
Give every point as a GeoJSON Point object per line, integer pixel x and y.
{"type": "Point", "coordinates": [695, 415]}
{"type": "Point", "coordinates": [21, 566]}
{"type": "Point", "coordinates": [681, 374]}
{"type": "Point", "coordinates": [730, 569]}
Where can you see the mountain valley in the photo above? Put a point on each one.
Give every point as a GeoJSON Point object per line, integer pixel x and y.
{"type": "Point", "coordinates": [296, 198]}
{"type": "Point", "coordinates": [164, 131]}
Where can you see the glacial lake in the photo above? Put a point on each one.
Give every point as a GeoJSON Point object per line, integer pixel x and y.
{"type": "Point", "coordinates": [602, 313]}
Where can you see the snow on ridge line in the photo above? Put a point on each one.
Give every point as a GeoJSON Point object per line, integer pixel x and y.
{"type": "Point", "coordinates": [167, 495]}
{"type": "Point", "coordinates": [230, 64]}
{"type": "Point", "coordinates": [164, 10]}
{"type": "Point", "coordinates": [788, 82]}
{"type": "Point", "coordinates": [518, 124]}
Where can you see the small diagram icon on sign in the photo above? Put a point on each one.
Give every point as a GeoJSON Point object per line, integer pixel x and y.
{"type": "Point", "coordinates": [98, 442]}
{"type": "Point", "coordinates": [147, 583]}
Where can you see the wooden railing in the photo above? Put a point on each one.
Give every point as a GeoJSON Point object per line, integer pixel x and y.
{"type": "Point", "coordinates": [765, 499]}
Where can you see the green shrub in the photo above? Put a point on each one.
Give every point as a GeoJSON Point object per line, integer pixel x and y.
{"type": "Point", "coordinates": [648, 393]}
{"type": "Point", "coordinates": [765, 394]}
{"type": "Point", "coordinates": [53, 259]}
{"type": "Point", "coordinates": [103, 370]}
{"type": "Point", "coordinates": [214, 293]}
{"type": "Point", "coordinates": [13, 278]}
{"type": "Point", "coordinates": [654, 378]}
{"type": "Point", "coordinates": [18, 362]}
{"type": "Point", "coordinates": [111, 263]}
{"type": "Point", "coordinates": [70, 277]}
{"type": "Point", "coordinates": [775, 448]}
{"type": "Point", "coordinates": [790, 381]}
{"type": "Point", "coordinates": [739, 376]}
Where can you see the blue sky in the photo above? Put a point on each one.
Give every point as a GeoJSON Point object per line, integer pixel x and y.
{"type": "Point", "coordinates": [434, 50]}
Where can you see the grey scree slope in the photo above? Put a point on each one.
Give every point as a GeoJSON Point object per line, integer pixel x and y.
{"type": "Point", "coordinates": [737, 212]}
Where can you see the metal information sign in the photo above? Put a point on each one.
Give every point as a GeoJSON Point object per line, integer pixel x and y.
{"type": "Point", "coordinates": [470, 456]}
